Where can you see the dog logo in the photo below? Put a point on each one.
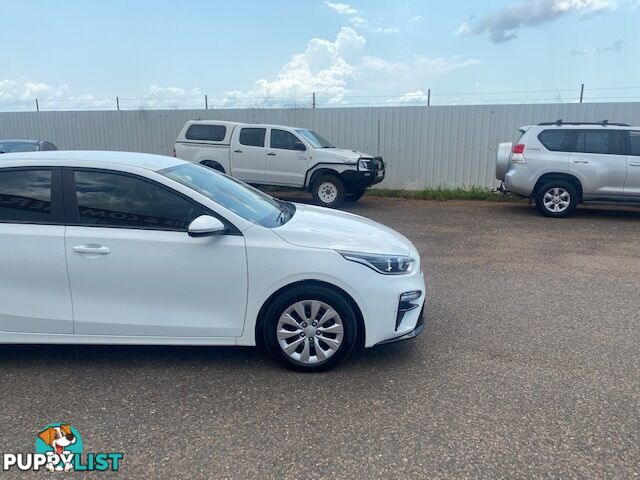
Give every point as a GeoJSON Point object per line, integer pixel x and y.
{"type": "Point", "coordinates": [60, 442]}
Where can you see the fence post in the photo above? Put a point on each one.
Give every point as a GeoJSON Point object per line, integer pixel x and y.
{"type": "Point", "coordinates": [581, 92]}
{"type": "Point", "coordinates": [117, 104]}
{"type": "Point", "coordinates": [428, 97]}
{"type": "Point", "coordinates": [37, 106]}
{"type": "Point", "coordinates": [206, 102]}
{"type": "Point", "coordinates": [313, 100]}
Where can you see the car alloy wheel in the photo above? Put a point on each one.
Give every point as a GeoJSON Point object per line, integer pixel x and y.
{"type": "Point", "coordinates": [557, 199]}
{"type": "Point", "coordinates": [310, 332]}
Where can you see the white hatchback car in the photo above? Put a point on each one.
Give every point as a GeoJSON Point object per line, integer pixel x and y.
{"type": "Point", "coordinates": [129, 248]}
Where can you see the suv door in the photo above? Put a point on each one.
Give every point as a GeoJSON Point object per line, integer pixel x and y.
{"type": "Point", "coordinates": [248, 154]}
{"type": "Point", "coordinates": [287, 159]}
{"type": "Point", "coordinates": [34, 288]}
{"type": "Point", "coordinates": [632, 185]}
{"type": "Point", "coordinates": [599, 160]}
{"type": "Point", "coordinates": [135, 271]}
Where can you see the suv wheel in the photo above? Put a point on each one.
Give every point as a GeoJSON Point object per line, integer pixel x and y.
{"type": "Point", "coordinates": [310, 329]}
{"type": "Point", "coordinates": [557, 199]}
{"type": "Point", "coordinates": [355, 195]}
{"type": "Point", "coordinates": [328, 191]}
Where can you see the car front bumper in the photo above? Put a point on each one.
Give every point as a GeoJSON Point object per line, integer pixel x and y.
{"type": "Point", "coordinates": [408, 336]}
{"type": "Point", "coordinates": [354, 179]}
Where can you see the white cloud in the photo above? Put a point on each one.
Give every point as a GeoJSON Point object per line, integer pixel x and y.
{"type": "Point", "coordinates": [336, 70]}
{"type": "Point", "coordinates": [503, 25]}
{"type": "Point", "coordinates": [413, 97]}
{"type": "Point", "coordinates": [417, 18]}
{"type": "Point", "coordinates": [26, 89]}
{"type": "Point", "coordinates": [613, 47]}
{"type": "Point", "coordinates": [341, 8]}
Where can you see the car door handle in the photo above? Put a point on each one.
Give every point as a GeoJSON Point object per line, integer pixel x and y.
{"type": "Point", "coordinates": [237, 151]}
{"type": "Point", "coordinates": [634, 164]}
{"type": "Point", "coordinates": [92, 249]}
{"type": "Point", "coordinates": [271, 153]}
{"type": "Point", "coordinates": [581, 161]}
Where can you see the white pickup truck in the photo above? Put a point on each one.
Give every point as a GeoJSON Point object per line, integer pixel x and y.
{"type": "Point", "coordinates": [280, 156]}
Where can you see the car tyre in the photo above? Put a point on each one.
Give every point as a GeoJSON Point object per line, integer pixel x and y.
{"type": "Point", "coordinates": [355, 195]}
{"type": "Point", "coordinates": [328, 191]}
{"type": "Point", "coordinates": [557, 198]}
{"type": "Point", "coordinates": [310, 328]}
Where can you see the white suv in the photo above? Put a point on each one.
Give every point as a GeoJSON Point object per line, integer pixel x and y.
{"type": "Point", "coordinates": [562, 163]}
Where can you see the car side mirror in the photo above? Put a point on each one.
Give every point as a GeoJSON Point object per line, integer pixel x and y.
{"type": "Point", "coordinates": [205, 226]}
{"type": "Point", "coordinates": [299, 146]}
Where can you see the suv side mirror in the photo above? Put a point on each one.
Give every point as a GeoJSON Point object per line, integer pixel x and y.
{"type": "Point", "coordinates": [299, 146]}
{"type": "Point", "coordinates": [205, 225]}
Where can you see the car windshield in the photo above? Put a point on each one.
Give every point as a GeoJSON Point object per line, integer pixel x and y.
{"type": "Point", "coordinates": [8, 147]}
{"type": "Point", "coordinates": [314, 139]}
{"type": "Point", "coordinates": [243, 200]}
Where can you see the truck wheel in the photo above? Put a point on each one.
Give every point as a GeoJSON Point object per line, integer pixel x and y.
{"type": "Point", "coordinates": [557, 198]}
{"type": "Point", "coordinates": [355, 195]}
{"type": "Point", "coordinates": [328, 191]}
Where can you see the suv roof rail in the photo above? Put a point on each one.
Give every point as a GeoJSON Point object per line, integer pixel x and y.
{"type": "Point", "coordinates": [604, 123]}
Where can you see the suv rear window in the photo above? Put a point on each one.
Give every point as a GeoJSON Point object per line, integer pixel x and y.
{"type": "Point", "coordinates": [209, 133]}
{"type": "Point", "coordinates": [253, 137]}
{"type": "Point", "coordinates": [557, 140]}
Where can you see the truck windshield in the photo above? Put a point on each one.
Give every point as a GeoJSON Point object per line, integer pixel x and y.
{"type": "Point", "coordinates": [314, 139]}
{"type": "Point", "coordinates": [243, 200]}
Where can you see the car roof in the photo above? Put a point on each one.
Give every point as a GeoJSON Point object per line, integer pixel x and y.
{"type": "Point", "coordinates": [95, 157]}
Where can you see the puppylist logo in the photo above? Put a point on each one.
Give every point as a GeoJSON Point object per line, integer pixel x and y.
{"type": "Point", "coordinates": [59, 449]}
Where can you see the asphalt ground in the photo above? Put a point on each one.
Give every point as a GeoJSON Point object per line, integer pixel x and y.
{"type": "Point", "coordinates": [528, 368]}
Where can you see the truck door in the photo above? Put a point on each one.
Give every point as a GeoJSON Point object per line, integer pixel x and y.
{"type": "Point", "coordinates": [632, 185]}
{"type": "Point", "coordinates": [248, 154]}
{"type": "Point", "coordinates": [287, 159]}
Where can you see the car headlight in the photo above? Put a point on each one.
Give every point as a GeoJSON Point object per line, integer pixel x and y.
{"type": "Point", "coordinates": [385, 264]}
{"type": "Point", "coordinates": [365, 164]}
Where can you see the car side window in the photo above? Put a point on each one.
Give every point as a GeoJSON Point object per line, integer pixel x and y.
{"type": "Point", "coordinates": [25, 196]}
{"type": "Point", "coordinates": [609, 142]}
{"type": "Point", "coordinates": [283, 140]}
{"type": "Point", "coordinates": [557, 140]}
{"type": "Point", "coordinates": [634, 142]}
{"type": "Point", "coordinates": [115, 200]}
{"type": "Point", "coordinates": [253, 137]}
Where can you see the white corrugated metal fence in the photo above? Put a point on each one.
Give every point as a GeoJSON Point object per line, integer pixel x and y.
{"type": "Point", "coordinates": [423, 146]}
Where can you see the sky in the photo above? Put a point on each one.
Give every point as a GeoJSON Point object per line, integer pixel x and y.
{"type": "Point", "coordinates": [249, 53]}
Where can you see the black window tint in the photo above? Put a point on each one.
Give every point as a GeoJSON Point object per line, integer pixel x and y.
{"type": "Point", "coordinates": [600, 141]}
{"type": "Point", "coordinates": [109, 199]}
{"type": "Point", "coordinates": [48, 146]}
{"type": "Point", "coordinates": [283, 139]}
{"type": "Point", "coordinates": [210, 133]}
{"type": "Point", "coordinates": [253, 137]}
{"type": "Point", "coordinates": [557, 140]}
{"type": "Point", "coordinates": [634, 143]}
{"type": "Point", "coordinates": [25, 196]}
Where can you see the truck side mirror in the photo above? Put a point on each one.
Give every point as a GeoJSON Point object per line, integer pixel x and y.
{"type": "Point", "coordinates": [299, 146]}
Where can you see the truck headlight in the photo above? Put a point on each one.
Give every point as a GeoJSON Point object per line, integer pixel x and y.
{"type": "Point", "coordinates": [365, 164]}
{"type": "Point", "coordinates": [385, 264]}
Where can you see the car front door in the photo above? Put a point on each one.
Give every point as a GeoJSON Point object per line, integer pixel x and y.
{"type": "Point", "coordinates": [599, 160]}
{"type": "Point", "coordinates": [34, 287]}
{"type": "Point", "coordinates": [287, 159]}
{"type": "Point", "coordinates": [632, 185]}
{"type": "Point", "coordinates": [248, 154]}
{"type": "Point", "coordinates": [135, 271]}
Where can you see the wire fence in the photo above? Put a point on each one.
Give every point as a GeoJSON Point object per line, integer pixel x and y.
{"type": "Point", "coordinates": [425, 97]}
